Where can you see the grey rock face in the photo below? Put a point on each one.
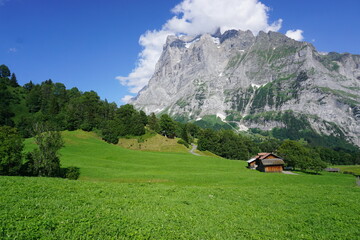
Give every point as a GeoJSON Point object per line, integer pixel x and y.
{"type": "Point", "coordinates": [237, 73]}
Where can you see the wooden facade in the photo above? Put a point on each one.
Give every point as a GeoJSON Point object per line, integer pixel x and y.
{"type": "Point", "coordinates": [266, 162]}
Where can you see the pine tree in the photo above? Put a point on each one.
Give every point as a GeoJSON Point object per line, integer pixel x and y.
{"type": "Point", "coordinates": [4, 71]}
{"type": "Point", "coordinates": [153, 123]}
{"type": "Point", "coordinates": [13, 81]}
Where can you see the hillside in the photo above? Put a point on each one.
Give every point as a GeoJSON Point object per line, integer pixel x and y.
{"type": "Point", "coordinates": [126, 194]}
{"type": "Point", "coordinates": [268, 82]}
{"type": "Point", "coordinates": [158, 143]}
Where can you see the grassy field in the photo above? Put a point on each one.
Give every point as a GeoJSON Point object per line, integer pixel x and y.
{"type": "Point", "coordinates": [126, 194]}
{"type": "Point", "coordinates": [355, 169]}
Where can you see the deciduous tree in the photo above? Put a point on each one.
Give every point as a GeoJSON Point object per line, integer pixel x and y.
{"type": "Point", "coordinates": [167, 126]}
{"type": "Point", "coordinates": [11, 146]}
{"type": "Point", "coordinates": [46, 160]}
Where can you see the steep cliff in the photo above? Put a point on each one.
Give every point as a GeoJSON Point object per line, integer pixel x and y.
{"type": "Point", "coordinates": [262, 81]}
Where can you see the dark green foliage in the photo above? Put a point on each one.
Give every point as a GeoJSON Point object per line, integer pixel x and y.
{"type": "Point", "coordinates": [4, 71]}
{"type": "Point", "coordinates": [208, 140]}
{"type": "Point", "coordinates": [130, 121]}
{"type": "Point", "coordinates": [143, 118]}
{"type": "Point", "coordinates": [11, 146]}
{"type": "Point", "coordinates": [185, 133]}
{"type": "Point", "coordinates": [294, 125]}
{"type": "Point", "coordinates": [72, 173]}
{"type": "Point", "coordinates": [181, 141]}
{"type": "Point", "coordinates": [227, 144]}
{"type": "Point", "coordinates": [45, 158]}
{"type": "Point", "coordinates": [61, 109]}
{"type": "Point", "coordinates": [53, 104]}
{"type": "Point", "coordinates": [6, 98]}
{"type": "Point", "coordinates": [212, 122]}
{"type": "Point", "coordinates": [269, 145]}
{"type": "Point", "coordinates": [110, 132]}
{"type": "Point", "coordinates": [89, 106]}
{"type": "Point", "coordinates": [232, 146]}
{"type": "Point", "coordinates": [153, 123]}
{"type": "Point", "coordinates": [167, 126]}
{"type": "Point", "coordinates": [13, 81]}
{"type": "Point", "coordinates": [339, 156]}
{"type": "Point", "coordinates": [298, 155]}
{"type": "Point", "coordinates": [28, 86]}
{"type": "Point", "coordinates": [126, 122]}
{"type": "Point", "coordinates": [33, 98]}
{"type": "Point", "coordinates": [193, 130]}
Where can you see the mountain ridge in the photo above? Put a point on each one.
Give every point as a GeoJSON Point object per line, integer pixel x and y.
{"type": "Point", "coordinates": [237, 75]}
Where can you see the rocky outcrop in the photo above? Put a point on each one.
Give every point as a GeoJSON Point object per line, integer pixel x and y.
{"type": "Point", "coordinates": [239, 74]}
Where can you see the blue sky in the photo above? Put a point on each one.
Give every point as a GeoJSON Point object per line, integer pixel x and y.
{"type": "Point", "coordinates": [87, 44]}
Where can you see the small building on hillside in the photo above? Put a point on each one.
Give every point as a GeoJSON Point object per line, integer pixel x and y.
{"type": "Point", "coordinates": [332, 170]}
{"type": "Point", "coordinates": [266, 162]}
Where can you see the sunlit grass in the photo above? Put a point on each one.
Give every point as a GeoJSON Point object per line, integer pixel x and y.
{"type": "Point", "coordinates": [152, 195]}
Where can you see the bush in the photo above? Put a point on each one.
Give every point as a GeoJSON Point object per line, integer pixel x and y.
{"type": "Point", "coordinates": [181, 141]}
{"type": "Point", "coordinates": [72, 173]}
{"type": "Point", "coordinates": [11, 146]}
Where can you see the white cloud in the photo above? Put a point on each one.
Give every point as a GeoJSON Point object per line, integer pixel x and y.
{"type": "Point", "coordinates": [12, 50]}
{"type": "Point", "coordinates": [295, 34]}
{"type": "Point", "coordinates": [193, 17]}
{"type": "Point", "coordinates": [126, 98]}
{"type": "Point", "coordinates": [152, 42]}
{"type": "Point", "coordinates": [205, 16]}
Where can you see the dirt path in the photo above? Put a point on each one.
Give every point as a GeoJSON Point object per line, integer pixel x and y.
{"type": "Point", "coordinates": [192, 151]}
{"type": "Point", "coordinates": [288, 172]}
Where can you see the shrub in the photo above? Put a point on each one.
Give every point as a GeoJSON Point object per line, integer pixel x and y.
{"type": "Point", "coordinates": [72, 173]}
{"type": "Point", "coordinates": [11, 146]}
{"type": "Point", "coordinates": [181, 141]}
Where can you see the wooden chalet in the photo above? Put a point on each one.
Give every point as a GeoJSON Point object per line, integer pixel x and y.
{"type": "Point", "coordinates": [266, 162]}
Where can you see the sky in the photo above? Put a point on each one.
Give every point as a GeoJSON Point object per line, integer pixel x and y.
{"type": "Point", "coordinates": [112, 46]}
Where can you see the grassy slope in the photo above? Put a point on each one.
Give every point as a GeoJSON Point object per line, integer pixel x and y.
{"type": "Point", "coordinates": [132, 194]}
{"type": "Point", "coordinates": [156, 143]}
{"type": "Point", "coordinates": [350, 168]}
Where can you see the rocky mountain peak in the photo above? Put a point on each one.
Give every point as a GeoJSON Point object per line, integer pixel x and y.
{"type": "Point", "coordinates": [252, 81]}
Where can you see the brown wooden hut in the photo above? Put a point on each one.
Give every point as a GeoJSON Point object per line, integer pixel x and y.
{"type": "Point", "coordinates": [266, 162]}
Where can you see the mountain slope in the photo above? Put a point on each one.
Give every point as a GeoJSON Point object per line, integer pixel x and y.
{"type": "Point", "coordinates": [255, 81]}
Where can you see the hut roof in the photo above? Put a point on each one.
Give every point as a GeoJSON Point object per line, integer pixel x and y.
{"type": "Point", "coordinates": [275, 160]}
{"type": "Point", "coordinates": [272, 162]}
{"type": "Point", "coordinates": [265, 155]}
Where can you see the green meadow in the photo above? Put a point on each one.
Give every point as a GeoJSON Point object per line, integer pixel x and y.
{"type": "Point", "coordinates": [127, 194]}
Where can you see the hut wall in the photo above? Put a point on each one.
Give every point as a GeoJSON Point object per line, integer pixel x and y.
{"type": "Point", "coordinates": [273, 168]}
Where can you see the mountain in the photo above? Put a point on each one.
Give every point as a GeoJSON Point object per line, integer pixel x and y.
{"type": "Point", "coordinates": [262, 82]}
